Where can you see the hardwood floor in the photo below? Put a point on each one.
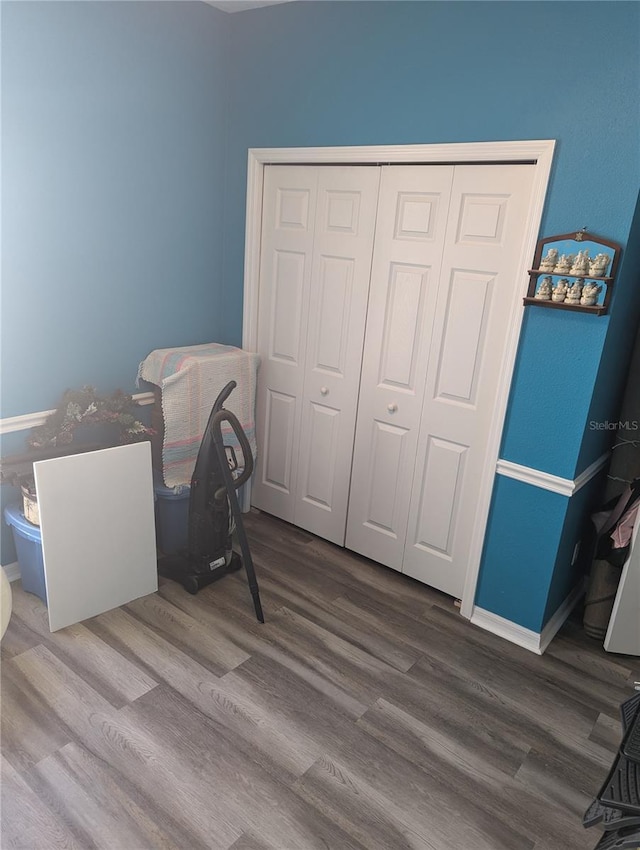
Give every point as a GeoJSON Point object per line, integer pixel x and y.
{"type": "Point", "coordinates": [365, 714]}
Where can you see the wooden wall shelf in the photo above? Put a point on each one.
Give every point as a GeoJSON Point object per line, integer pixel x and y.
{"type": "Point", "coordinates": [569, 244]}
{"type": "Point", "coordinates": [597, 310]}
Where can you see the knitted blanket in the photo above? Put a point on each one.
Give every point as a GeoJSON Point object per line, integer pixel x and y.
{"type": "Point", "coordinates": [190, 379]}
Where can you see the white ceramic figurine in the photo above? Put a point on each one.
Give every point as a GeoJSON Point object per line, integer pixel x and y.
{"type": "Point", "coordinates": [544, 290]}
{"type": "Point", "coordinates": [564, 264]}
{"type": "Point", "coordinates": [580, 265]}
{"type": "Point", "coordinates": [574, 293]}
{"type": "Point", "coordinates": [548, 263]}
{"type": "Point", "coordinates": [560, 290]}
{"type": "Point", "coordinates": [590, 294]}
{"type": "Point", "coordinates": [598, 266]}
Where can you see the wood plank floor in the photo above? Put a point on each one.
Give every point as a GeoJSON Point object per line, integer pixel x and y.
{"type": "Point", "coordinates": [365, 714]}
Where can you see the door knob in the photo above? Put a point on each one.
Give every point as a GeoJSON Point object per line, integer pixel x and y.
{"type": "Point", "coordinates": [392, 407]}
{"type": "Point", "coordinates": [324, 390]}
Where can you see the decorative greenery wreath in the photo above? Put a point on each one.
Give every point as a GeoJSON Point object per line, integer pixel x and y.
{"type": "Point", "coordinates": [86, 407]}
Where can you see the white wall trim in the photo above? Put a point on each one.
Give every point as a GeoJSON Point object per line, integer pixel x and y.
{"type": "Point", "coordinates": [24, 422]}
{"type": "Point", "coordinates": [33, 420]}
{"type": "Point", "coordinates": [539, 151]}
{"type": "Point", "coordinates": [546, 481]}
{"type": "Point", "coordinates": [144, 398]}
{"type": "Point", "coordinates": [557, 621]}
{"type": "Point", "coordinates": [506, 629]}
{"type": "Point", "coordinates": [531, 149]}
{"type": "Point", "coordinates": [12, 571]}
{"type": "Point", "coordinates": [533, 641]}
{"type": "Point", "coordinates": [591, 471]}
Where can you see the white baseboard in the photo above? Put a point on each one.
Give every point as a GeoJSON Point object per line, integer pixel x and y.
{"type": "Point", "coordinates": [533, 641]}
{"type": "Point", "coordinates": [506, 629]}
{"type": "Point", "coordinates": [562, 613]}
{"type": "Point", "coordinates": [12, 571]}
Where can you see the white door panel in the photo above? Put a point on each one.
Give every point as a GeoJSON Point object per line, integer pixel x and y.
{"type": "Point", "coordinates": [464, 335]}
{"type": "Point", "coordinates": [443, 469]}
{"type": "Point", "coordinates": [383, 487]}
{"type": "Point", "coordinates": [407, 288]}
{"type": "Point", "coordinates": [283, 330]}
{"type": "Point", "coordinates": [318, 226]}
{"type": "Point", "coordinates": [279, 425]}
{"type": "Point", "coordinates": [289, 204]}
{"type": "Point", "coordinates": [410, 232]}
{"type": "Point", "coordinates": [477, 295]}
{"type": "Point", "coordinates": [341, 268]}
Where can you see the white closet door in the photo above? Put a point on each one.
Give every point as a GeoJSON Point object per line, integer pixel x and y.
{"type": "Point", "coordinates": [478, 293]}
{"type": "Point", "coordinates": [341, 267]}
{"type": "Point", "coordinates": [318, 226]}
{"type": "Point", "coordinates": [289, 205]}
{"type": "Point", "coordinates": [409, 243]}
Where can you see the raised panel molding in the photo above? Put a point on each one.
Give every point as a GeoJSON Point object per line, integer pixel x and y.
{"type": "Point", "coordinates": [332, 320]}
{"type": "Point", "coordinates": [292, 209]}
{"type": "Point", "coordinates": [444, 471]}
{"type": "Point", "coordinates": [416, 216]}
{"type": "Point", "coordinates": [464, 334]}
{"type": "Point", "coordinates": [403, 317]}
{"type": "Point", "coordinates": [343, 211]}
{"type": "Point", "coordinates": [388, 444]}
{"type": "Point", "coordinates": [482, 219]}
{"type": "Point", "coordinates": [280, 417]}
{"type": "Point", "coordinates": [320, 463]}
{"type": "Point", "coordinates": [284, 337]}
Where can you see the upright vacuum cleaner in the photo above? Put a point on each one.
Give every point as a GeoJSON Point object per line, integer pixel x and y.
{"type": "Point", "coordinates": [214, 512]}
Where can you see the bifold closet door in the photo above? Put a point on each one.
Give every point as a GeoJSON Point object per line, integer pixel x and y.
{"type": "Point", "coordinates": [409, 244]}
{"type": "Point", "coordinates": [317, 241]}
{"type": "Point", "coordinates": [444, 290]}
{"type": "Point", "coordinates": [478, 293]}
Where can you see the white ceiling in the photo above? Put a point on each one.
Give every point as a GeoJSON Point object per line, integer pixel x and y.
{"type": "Point", "coordinates": [242, 5]}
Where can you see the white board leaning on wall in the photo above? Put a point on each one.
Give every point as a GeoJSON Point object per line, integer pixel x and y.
{"type": "Point", "coordinates": [98, 531]}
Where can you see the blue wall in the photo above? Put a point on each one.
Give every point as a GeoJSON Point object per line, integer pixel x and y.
{"type": "Point", "coordinates": [373, 73]}
{"type": "Point", "coordinates": [126, 128]}
{"type": "Point", "coordinates": [520, 551]}
{"type": "Point", "coordinates": [113, 135]}
{"type": "Point", "coordinates": [395, 73]}
{"type": "Point", "coordinates": [527, 571]}
{"type": "Point", "coordinates": [612, 374]}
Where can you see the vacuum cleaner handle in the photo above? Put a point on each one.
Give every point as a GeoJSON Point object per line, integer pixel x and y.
{"type": "Point", "coordinates": [216, 426]}
{"type": "Point", "coordinates": [223, 395]}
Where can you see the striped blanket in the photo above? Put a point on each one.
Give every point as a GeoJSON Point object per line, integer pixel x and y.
{"type": "Point", "coordinates": [190, 379]}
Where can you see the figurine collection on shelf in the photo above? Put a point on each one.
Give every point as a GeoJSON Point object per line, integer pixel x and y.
{"type": "Point", "coordinates": [576, 293]}
{"type": "Point", "coordinates": [562, 268]}
{"type": "Point", "coordinates": [577, 265]}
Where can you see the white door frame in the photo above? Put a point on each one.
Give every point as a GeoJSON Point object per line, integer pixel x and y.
{"type": "Point", "coordinates": [539, 151]}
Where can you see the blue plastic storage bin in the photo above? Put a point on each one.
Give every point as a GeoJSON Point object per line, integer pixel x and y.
{"type": "Point", "coordinates": [28, 540]}
{"type": "Point", "coordinates": [172, 516]}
